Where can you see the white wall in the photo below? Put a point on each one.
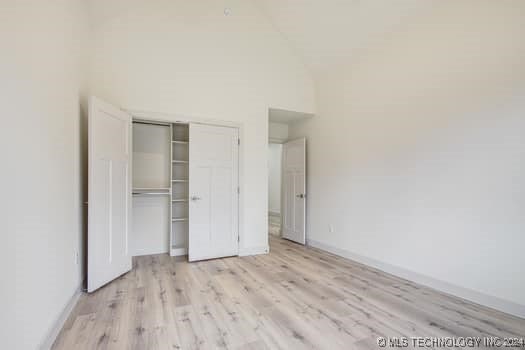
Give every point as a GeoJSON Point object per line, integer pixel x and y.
{"type": "Point", "coordinates": [278, 132]}
{"type": "Point", "coordinates": [274, 178]}
{"type": "Point", "coordinates": [40, 66]}
{"type": "Point", "coordinates": [417, 156]}
{"type": "Point", "coordinates": [187, 57]}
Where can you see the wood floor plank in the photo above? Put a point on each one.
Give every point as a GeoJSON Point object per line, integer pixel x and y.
{"type": "Point", "coordinates": [295, 297]}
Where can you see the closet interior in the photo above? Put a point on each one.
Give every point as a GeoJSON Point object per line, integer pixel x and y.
{"type": "Point", "coordinates": [160, 188]}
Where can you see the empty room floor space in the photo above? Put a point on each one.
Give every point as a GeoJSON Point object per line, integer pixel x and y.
{"type": "Point", "coordinates": [295, 297]}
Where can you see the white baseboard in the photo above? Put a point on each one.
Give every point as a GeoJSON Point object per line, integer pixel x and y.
{"type": "Point", "coordinates": [150, 252]}
{"type": "Point", "coordinates": [59, 322]}
{"type": "Point", "coordinates": [464, 293]}
{"type": "Point", "coordinates": [178, 251]}
{"type": "Point", "coordinates": [254, 250]}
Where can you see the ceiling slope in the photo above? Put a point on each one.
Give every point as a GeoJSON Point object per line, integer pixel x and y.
{"type": "Point", "coordinates": [329, 32]}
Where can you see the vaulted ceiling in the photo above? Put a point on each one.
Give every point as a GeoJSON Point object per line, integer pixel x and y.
{"type": "Point", "coordinates": [328, 32]}
{"type": "Point", "coordinates": [323, 33]}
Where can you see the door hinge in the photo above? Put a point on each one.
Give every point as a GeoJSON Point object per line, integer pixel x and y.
{"type": "Point", "coordinates": [239, 142]}
{"type": "Point", "coordinates": [238, 190]}
{"type": "Point", "coordinates": [238, 239]}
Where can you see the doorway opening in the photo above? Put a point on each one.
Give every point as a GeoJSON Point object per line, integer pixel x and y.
{"type": "Point", "coordinates": [287, 175]}
{"type": "Point", "coordinates": [274, 188]}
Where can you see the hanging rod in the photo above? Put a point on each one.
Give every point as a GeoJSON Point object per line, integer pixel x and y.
{"type": "Point", "coordinates": [150, 123]}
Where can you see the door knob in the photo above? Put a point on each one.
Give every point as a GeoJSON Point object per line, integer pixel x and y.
{"type": "Point", "coordinates": [301, 195]}
{"type": "Point", "coordinates": [195, 198]}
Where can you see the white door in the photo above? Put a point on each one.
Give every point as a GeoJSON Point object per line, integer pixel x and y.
{"type": "Point", "coordinates": [213, 186]}
{"type": "Point", "coordinates": [294, 191]}
{"type": "Point", "coordinates": [109, 200]}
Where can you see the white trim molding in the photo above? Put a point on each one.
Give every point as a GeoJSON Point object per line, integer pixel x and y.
{"type": "Point", "coordinates": [442, 286]}
{"type": "Point", "coordinates": [53, 332]}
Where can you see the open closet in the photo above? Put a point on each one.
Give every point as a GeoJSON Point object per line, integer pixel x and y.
{"type": "Point", "coordinates": [160, 173]}
{"type": "Point", "coordinates": [159, 185]}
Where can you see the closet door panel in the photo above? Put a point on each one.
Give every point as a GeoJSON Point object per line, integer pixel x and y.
{"type": "Point", "coordinates": [200, 208]}
{"type": "Point", "coordinates": [109, 199]}
{"type": "Point", "coordinates": [213, 206]}
{"type": "Point", "coordinates": [294, 190]}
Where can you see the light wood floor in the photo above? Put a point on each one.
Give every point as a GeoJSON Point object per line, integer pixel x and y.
{"type": "Point", "coordinates": [292, 298]}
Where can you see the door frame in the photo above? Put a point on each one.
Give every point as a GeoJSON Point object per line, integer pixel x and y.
{"type": "Point", "coordinates": [180, 118]}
